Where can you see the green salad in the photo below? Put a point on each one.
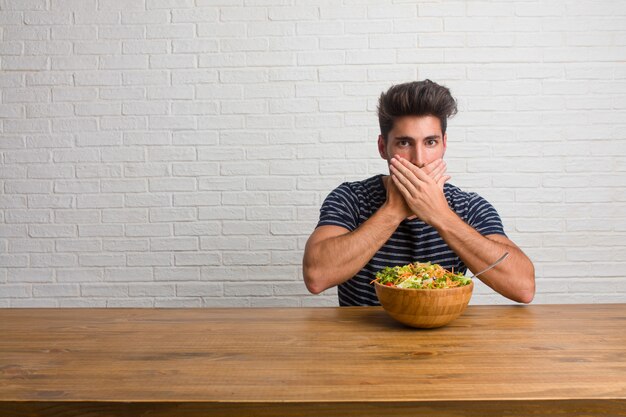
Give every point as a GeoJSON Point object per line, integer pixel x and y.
{"type": "Point", "coordinates": [421, 276]}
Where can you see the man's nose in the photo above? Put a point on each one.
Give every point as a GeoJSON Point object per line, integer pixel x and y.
{"type": "Point", "coordinates": [419, 158]}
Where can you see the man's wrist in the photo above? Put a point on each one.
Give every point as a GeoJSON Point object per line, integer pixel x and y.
{"type": "Point", "coordinates": [390, 215]}
{"type": "Point", "coordinates": [445, 221]}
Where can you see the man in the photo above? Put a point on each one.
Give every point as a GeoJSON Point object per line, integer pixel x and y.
{"type": "Point", "coordinates": [412, 214]}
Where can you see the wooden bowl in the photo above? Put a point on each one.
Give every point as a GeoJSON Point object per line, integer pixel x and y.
{"type": "Point", "coordinates": [424, 308]}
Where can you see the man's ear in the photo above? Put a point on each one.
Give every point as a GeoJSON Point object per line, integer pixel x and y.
{"type": "Point", "coordinates": [382, 149]}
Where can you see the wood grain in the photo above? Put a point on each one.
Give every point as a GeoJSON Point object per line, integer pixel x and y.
{"type": "Point", "coordinates": [526, 360]}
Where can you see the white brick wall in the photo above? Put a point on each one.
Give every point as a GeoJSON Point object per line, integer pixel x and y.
{"type": "Point", "coordinates": [175, 152]}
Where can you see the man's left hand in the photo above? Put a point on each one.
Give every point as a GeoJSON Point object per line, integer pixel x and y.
{"type": "Point", "coordinates": [422, 193]}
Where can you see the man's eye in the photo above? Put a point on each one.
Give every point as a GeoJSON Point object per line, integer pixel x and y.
{"type": "Point", "coordinates": [431, 142]}
{"type": "Point", "coordinates": [403, 143]}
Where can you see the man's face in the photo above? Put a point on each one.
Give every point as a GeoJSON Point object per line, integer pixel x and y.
{"type": "Point", "coordinates": [416, 138]}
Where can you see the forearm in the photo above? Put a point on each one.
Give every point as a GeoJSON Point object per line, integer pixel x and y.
{"type": "Point", "coordinates": [336, 259]}
{"type": "Point", "coordinates": [514, 278]}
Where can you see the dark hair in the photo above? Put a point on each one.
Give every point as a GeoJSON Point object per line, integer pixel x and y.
{"type": "Point", "coordinates": [417, 98]}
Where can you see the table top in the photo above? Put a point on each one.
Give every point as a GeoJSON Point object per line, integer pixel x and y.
{"type": "Point", "coordinates": [312, 355]}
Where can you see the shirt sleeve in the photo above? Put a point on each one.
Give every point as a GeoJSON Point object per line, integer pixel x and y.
{"type": "Point", "coordinates": [340, 208]}
{"type": "Point", "coordinates": [483, 217]}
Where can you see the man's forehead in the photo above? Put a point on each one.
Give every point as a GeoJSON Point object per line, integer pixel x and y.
{"type": "Point", "coordinates": [416, 127]}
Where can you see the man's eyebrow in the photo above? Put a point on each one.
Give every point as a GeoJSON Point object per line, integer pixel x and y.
{"type": "Point", "coordinates": [413, 139]}
{"type": "Point", "coordinates": [432, 137]}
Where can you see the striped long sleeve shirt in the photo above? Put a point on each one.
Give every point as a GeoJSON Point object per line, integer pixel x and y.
{"type": "Point", "coordinates": [352, 203]}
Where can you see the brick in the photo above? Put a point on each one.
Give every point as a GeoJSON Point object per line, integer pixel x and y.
{"type": "Point", "coordinates": [11, 18]}
{"type": "Point", "coordinates": [168, 4]}
{"type": "Point", "coordinates": [240, 290]}
{"type": "Point", "coordinates": [127, 274]}
{"type": "Point", "coordinates": [172, 153]}
{"type": "Point", "coordinates": [30, 275]}
{"type": "Point", "coordinates": [46, 201]}
{"type": "Point", "coordinates": [147, 230]}
{"type": "Point", "coordinates": [13, 261]}
{"type": "Point", "coordinates": [195, 108]}
{"type": "Point", "coordinates": [321, 58]}
{"type": "Point", "coordinates": [146, 170]}
{"type": "Point", "coordinates": [145, 16]}
{"type": "Point", "coordinates": [204, 289]}
{"type": "Point", "coordinates": [227, 30]}
{"type": "Point", "coordinates": [143, 78]}
{"type": "Point", "coordinates": [175, 214]}
{"type": "Point", "coordinates": [247, 228]}
{"type": "Point", "coordinates": [273, 243]}
{"type": "Point", "coordinates": [172, 184]}
{"type": "Point", "coordinates": [270, 59]}
{"type": "Point", "coordinates": [197, 199]}
{"type": "Point", "coordinates": [245, 198]}
{"type": "Point", "coordinates": [197, 229]}
{"type": "Point", "coordinates": [47, 18]}
{"type": "Point", "coordinates": [234, 59]}
{"type": "Point", "coordinates": [196, 15]}
{"type": "Point", "coordinates": [104, 290]}
{"type": "Point", "coordinates": [100, 230]}
{"type": "Point", "coordinates": [269, 213]}
{"type": "Point", "coordinates": [197, 259]}
{"type": "Point", "coordinates": [152, 290]}
{"type": "Point", "coordinates": [47, 48]}
{"type": "Point", "coordinates": [234, 138]}
{"type": "Point", "coordinates": [179, 273]}
{"type": "Point", "coordinates": [194, 169]}
{"type": "Point", "coordinates": [172, 61]}
{"type": "Point", "coordinates": [243, 14]}
{"type": "Point", "coordinates": [17, 290]}
{"type": "Point", "coordinates": [268, 183]}
{"type": "Point", "coordinates": [124, 216]}
{"type": "Point", "coordinates": [172, 122]}
{"type": "Point", "coordinates": [170, 31]}
{"type": "Point", "coordinates": [194, 46]}
{"type": "Point", "coordinates": [176, 93]}
{"type": "Point", "coordinates": [25, 216]}
{"type": "Point", "coordinates": [219, 92]}
{"type": "Point", "coordinates": [194, 77]}
{"type": "Point", "coordinates": [24, 63]}
{"type": "Point", "coordinates": [143, 138]}
{"type": "Point", "coordinates": [23, 33]}
{"type": "Point", "coordinates": [224, 243]}
{"type": "Point", "coordinates": [121, 4]}
{"type": "Point", "coordinates": [343, 13]}
{"type": "Point", "coordinates": [148, 259]}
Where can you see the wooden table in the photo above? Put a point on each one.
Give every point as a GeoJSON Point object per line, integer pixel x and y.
{"type": "Point", "coordinates": [494, 360]}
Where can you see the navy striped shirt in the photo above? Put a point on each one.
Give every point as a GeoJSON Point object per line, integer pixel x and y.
{"type": "Point", "coordinates": [352, 203]}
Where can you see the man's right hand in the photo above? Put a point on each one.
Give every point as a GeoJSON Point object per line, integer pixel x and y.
{"type": "Point", "coordinates": [437, 171]}
{"type": "Point", "coordinates": [396, 204]}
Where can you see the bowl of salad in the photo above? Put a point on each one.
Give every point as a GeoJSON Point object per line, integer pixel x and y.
{"type": "Point", "coordinates": [423, 295]}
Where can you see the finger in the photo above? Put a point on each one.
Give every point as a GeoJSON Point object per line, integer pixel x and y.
{"type": "Point", "coordinates": [404, 181]}
{"type": "Point", "coordinates": [400, 185]}
{"type": "Point", "coordinates": [418, 173]}
{"type": "Point", "coordinates": [430, 167]}
{"type": "Point", "coordinates": [441, 181]}
{"type": "Point", "coordinates": [404, 169]}
{"type": "Point", "coordinates": [438, 171]}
